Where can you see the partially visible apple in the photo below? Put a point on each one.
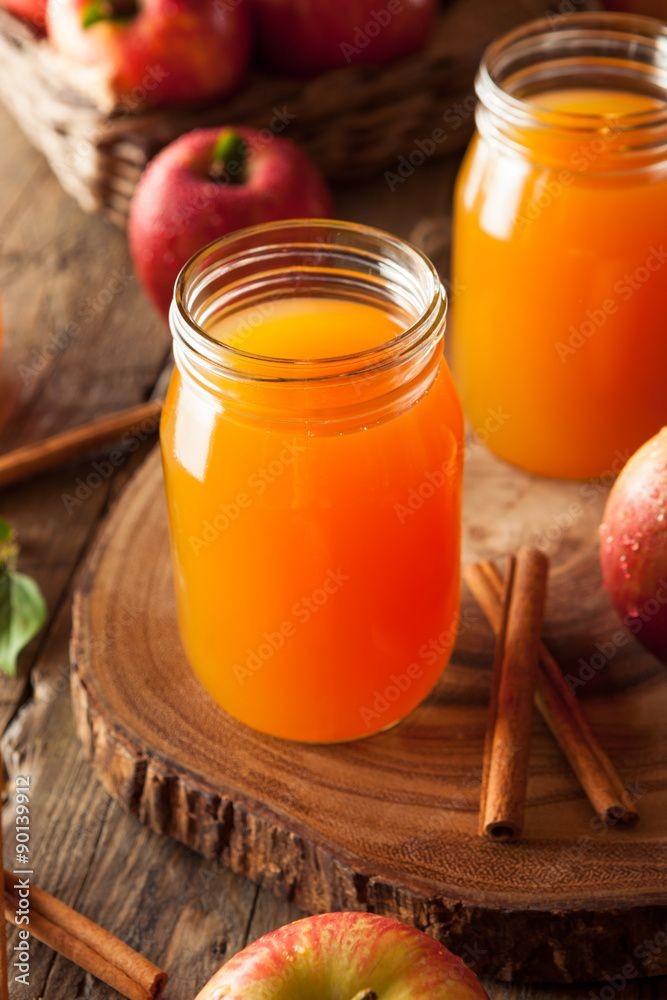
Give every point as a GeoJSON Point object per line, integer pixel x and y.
{"type": "Point", "coordinates": [30, 10]}
{"type": "Point", "coordinates": [311, 36]}
{"type": "Point", "coordinates": [152, 52]}
{"type": "Point", "coordinates": [345, 956]}
{"type": "Point", "coordinates": [633, 544]}
{"type": "Point", "coordinates": [650, 8]}
{"type": "Point", "coordinates": [207, 184]}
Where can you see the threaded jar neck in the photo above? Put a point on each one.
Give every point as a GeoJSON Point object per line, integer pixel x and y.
{"type": "Point", "coordinates": [602, 51]}
{"type": "Point", "coordinates": [318, 259]}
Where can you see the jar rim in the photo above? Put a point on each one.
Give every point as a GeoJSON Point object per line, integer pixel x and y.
{"type": "Point", "coordinates": [543, 33]}
{"type": "Point", "coordinates": [194, 336]}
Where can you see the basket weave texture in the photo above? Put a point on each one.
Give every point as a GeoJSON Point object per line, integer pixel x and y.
{"type": "Point", "coordinates": [354, 122]}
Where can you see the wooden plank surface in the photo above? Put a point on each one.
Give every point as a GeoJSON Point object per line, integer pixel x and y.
{"type": "Point", "coordinates": [81, 341]}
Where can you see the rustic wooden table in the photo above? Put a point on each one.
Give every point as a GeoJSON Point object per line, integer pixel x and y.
{"type": "Point", "coordinates": [81, 341]}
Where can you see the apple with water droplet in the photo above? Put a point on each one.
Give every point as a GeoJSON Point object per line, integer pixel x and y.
{"type": "Point", "coordinates": [345, 956]}
{"type": "Point", "coordinates": [633, 544]}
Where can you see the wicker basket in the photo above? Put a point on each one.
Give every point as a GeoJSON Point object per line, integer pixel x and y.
{"type": "Point", "coordinates": [354, 121]}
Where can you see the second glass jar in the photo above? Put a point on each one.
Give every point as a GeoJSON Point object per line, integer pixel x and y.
{"type": "Point", "coordinates": [560, 258]}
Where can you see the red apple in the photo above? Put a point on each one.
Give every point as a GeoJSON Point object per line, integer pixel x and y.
{"type": "Point", "coordinates": [345, 956]}
{"type": "Point", "coordinates": [208, 183]}
{"type": "Point", "coordinates": [30, 10]}
{"type": "Point", "coordinates": [633, 538]}
{"type": "Point", "coordinates": [150, 52]}
{"type": "Point", "coordinates": [650, 8]}
{"type": "Point", "coordinates": [311, 36]}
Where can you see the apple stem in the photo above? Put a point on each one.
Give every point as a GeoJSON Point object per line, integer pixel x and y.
{"type": "Point", "coordinates": [230, 160]}
{"type": "Point", "coordinates": [365, 995]}
{"type": "Point", "coordinates": [108, 10]}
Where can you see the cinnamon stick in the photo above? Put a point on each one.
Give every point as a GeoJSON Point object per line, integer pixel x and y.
{"type": "Point", "coordinates": [87, 944]}
{"type": "Point", "coordinates": [513, 687]}
{"type": "Point", "coordinates": [21, 463]}
{"type": "Point", "coordinates": [597, 775]}
{"type": "Point", "coordinates": [562, 712]}
{"type": "Point", "coordinates": [496, 671]}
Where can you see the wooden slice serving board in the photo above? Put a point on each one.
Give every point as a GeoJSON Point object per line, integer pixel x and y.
{"type": "Point", "coordinates": [390, 823]}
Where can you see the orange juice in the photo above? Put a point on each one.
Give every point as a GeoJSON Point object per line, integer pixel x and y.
{"type": "Point", "coordinates": [315, 515]}
{"type": "Point", "coordinates": [560, 255]}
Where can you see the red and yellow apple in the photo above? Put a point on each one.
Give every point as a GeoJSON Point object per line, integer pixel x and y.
{"type": "Point", "coordinates": [633, 544]}
{"type": "Point", "coordinates": [312, 36]}
{"type": "Point", "coordinates": [30, 10]}
{"type": "Point", "coordinates": [345, 956]}
{"type": "Point", "coordinates": [152, 52]}
{"type": "Point", "coordinates": [207, 184]}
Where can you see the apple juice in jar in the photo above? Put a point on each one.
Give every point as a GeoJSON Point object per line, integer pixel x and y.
{"type": "Point", "coordinates": [309, 406]}
{"type": "Point", "coordinates": [560, 255]}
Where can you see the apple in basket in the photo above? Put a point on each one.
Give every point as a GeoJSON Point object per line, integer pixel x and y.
{"type": "Point", "coordinates": [345, 956]}
{"type": "Point", "coordinates": [207, 184]}
{"type": "Point", "coordinates": [135, 53]}
{"type": "Point", "coordinates": [311, 36]}
{"type": "Point", "coordinates": [30, 10]}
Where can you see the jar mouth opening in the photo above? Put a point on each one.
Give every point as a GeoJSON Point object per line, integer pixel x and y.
{"type": "Point", "coordinates": [283, 259]}
{"type": "Point", "coordinates": [602, 50]}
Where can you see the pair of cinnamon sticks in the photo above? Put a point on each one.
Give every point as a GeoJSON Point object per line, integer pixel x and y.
{"type": "Point", "coordinates": [524, 671]}
{"type": "Point", "coordinates": [86, 943]}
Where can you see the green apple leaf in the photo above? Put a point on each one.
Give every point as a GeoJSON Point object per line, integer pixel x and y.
{"type": "Point", "coordinates": [22, 607]}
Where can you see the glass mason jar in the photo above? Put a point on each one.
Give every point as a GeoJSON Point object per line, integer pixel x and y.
{"type": "Point", "coordinates": [312, 451]}
{"type": "Point", "coordinates": [560, 244]}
